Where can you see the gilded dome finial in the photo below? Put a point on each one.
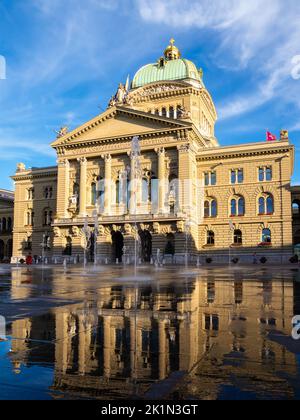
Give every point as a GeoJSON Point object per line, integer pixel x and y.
{"type": "Point", "coordinates": [172, 52]}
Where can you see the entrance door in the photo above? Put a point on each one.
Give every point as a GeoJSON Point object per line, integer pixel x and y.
{"type": "Point", "coordinates": [146, 245]}
{"type": "Point", "coordinates": [2, 250]}
{"type": "Point", "coordinates": [117, 245]}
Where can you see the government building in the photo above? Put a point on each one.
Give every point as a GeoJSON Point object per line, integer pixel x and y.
{"type": "Point", "coordinates": [150, 170]}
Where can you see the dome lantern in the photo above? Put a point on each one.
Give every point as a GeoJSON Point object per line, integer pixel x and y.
{"type": "Point", "coordinates": [172, 52]}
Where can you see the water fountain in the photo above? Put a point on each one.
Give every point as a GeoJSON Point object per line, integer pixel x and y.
{"type": "Point", "coordinates": [136, 175]}
{"type": "Point", "coordinates": [86, 240]}
{"type": "Point", "coordinates": [96, 230]}
{"type": "Point", "coordinates": [187, 238]}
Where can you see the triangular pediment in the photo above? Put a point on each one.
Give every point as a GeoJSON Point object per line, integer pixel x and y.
{"type": "Point", "coordinates": [120, 122]}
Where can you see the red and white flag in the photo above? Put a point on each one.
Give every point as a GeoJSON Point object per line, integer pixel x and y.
{"type": "Point", "coordinates": [271, 137]}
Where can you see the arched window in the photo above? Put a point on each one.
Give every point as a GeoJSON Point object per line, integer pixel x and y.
{"type": "Point", "coordinates": [93, 193]}
{"type": "Point", "coordinates": [233, 207]}
{"type": "Point", "coordinates": [270, 205]}
{"type": "Point", "coordinates": [118, 192]}
{"type": "Point", "coordinates": [266, 236]}
{"type": "Point", "coordinates": [238, 237]}
{"type": "Point", "coordinates": [210, 238]}
{"type": "Point", "coordinates": [206, 209]}
{"type": "Point", "coordinates": [210, 208]}
{"type": "Point", "coordinates": [170, 245]}
{"type": "Point", "coordinates": [68, 248]}
{"type": "Point", "coordinates": [238, 206]}
{"type": "Point", "coordinates": [100, 192]}
{"type": "Point", "coordinates": [297, 238]}
{"type": "Point", "coordinates": [171, 112]}
{"type": "Point", "coordinates": [48, 217]}
{"type": "Point", "coordinates": [214, 209]}
{"type": "Point", "coordinates": [296, 208]}
{"type": "Point", "coordinates": [28, 244]}
{"type": "Point", "coordinates": [76, 189]}
{"type": "Point", "coordinates": [241, 206]}
{"type": "Point", "coordinates": [157, 112]}
{"type": "Point", "coordinates": [145, 190]}
{"type": "Point", "coordinates": [261, 205]}
{"type": "Point", "coordinates": [266, 205]}
{"type": "Point", "coordinates": [30, 194]}
{"type": "Point", "coordinates": [48, 192]}
{"type": "Point", "coordinates": [30, 218]}
{"type": "Point", "coordinates": [164, 112]}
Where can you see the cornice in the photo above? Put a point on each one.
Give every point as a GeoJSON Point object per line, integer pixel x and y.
{"type": "Point", "coordinates": [110, 114]}
{"type": "Point", "coordinates": [241, 153]}
{"type": "Point", "coordinates": [29, 176]}
{"type": "Point", "coordinates": [179, 133]}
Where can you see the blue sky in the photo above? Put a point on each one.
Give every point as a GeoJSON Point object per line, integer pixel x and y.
{"type": "Point", "coordinates": [65, 58]}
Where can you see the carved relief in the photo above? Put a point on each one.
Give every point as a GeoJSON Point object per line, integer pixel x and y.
{"type": "Point", "coordinates": [56, 232]}
{"type": "Point", "coordinates": [156, 228]}
{"type": "Point", "coordinates": [180, 226]}
{"type": "Point", "coordinates": [75, 231]}
{"type": "Point", "coordinates": [127, 229]}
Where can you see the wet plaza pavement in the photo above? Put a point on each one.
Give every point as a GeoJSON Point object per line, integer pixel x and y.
{"type": "Point", "coordinates": [169, 333]}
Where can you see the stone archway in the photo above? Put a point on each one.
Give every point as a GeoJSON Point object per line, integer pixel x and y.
{"type": "Point", "coordinates": [146, 245]}
{"type": "Point", "coordinates": [9, 248]}
{"type": "Point", "coordinates": [2, 250]}
{"type": "Point", "coordinates": [170, 244]}
{"type": "Point", "coordinates": [117, 246]}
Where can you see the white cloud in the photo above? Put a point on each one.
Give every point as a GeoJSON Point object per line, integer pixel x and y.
{"type": "Point", "coordinates": [261, 35]}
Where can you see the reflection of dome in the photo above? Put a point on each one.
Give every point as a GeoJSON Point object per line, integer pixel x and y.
{"type": "Point", "coordinates": [172, 67]}
{"type": "Point", "coordinates": [17, 368]}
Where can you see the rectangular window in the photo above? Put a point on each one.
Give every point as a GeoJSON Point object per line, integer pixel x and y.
{"type": "Point", "coordinates": [210, 178]}
{"type": "Point", "coordinates": [265, 174]}
{"type": "Point", "coordinates": [240, 176]}
{"type": "Point", "coordinates": [237, 176]}
{"type": "Point", "coordinates": [211, 322]}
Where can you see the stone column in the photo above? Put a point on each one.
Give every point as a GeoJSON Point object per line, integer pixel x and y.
{"type": "Point", "coordinates": [185, 174]}
{"type": "Point", "coordinates": [63, 186]}
{"type": "Point", "coordinates": [161, 179]}
{"type": "Point", "coordinates": [82, 193]}
{"type": "Point", "coordinates": [107, 184]}
{"type": "Point", "coordinates": [162, 349]}
{"type": "Point", "coordinates": [135, 186]}
{"type": "Point", "coordinates": [106, 345]}
{"type": "Point", "coordinates": [81, 345]}
{"type": "Point", "coordinates": [133, 347]}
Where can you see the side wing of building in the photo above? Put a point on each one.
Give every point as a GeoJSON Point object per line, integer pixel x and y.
{"type": "Point", "coordinates": [6, 224]}
{"type": "Point", "coordinates": [34, 211]}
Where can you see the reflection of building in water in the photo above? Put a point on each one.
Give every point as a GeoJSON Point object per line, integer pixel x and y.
{"type": "Point", "coordinates": [144, 335]}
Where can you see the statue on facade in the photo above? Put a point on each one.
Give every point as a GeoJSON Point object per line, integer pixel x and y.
{"type": "Point", "coordinates": [21, 167]}
{"type": "Point", "coordinates": [121, 94]}
{"type": "Point", "coordinates": [284, 135]}
{"type": "Point", "coordinates": [112, 102]}
{"type": "Point", "coordinates": [183, 113]}
{"type": "Point", "coordinates": [62, 132]}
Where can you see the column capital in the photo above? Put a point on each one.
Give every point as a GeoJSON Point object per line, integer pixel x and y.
{"type": "Point", "coordinates": [82, 160]}
{"type": "Point", "coordinates": [64, 163]}
{"type": "Point", "coordinates": [184, 148]}
{"type": "Point", "coordinates": [106, 157]}
{"type": "Point", "coordinates": [160, 150]}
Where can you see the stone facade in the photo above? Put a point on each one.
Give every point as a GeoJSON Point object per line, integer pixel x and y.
{"type": "Point", "coordinates": [6, 224]}
{"type": "Point", "coordinates": [34, 210]}
{"type": "Point", "coordinates": [191, 195]}
{"type": "Point", "coordinates": [296, 219]}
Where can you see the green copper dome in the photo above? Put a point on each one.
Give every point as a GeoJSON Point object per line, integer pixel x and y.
{"type": "Point", "coordinates": [165, 69]}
